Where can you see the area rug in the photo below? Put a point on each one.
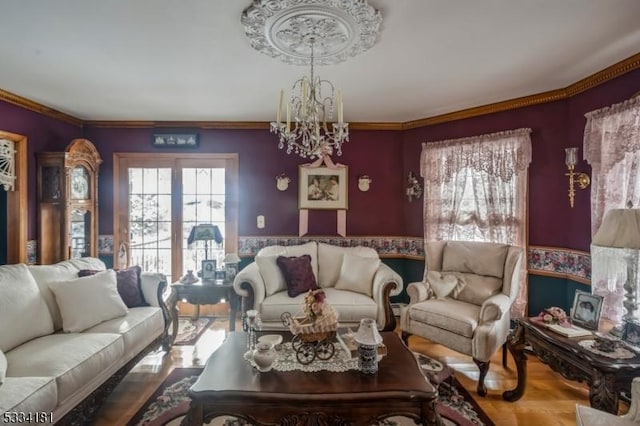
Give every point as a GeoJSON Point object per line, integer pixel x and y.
{"type": "Point", "coordinates": [189, 331]}
{"type": "Point", "coordinates": [168, 405]}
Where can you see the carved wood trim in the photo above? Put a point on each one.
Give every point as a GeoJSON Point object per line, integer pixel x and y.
{"type": "Point", "coordinates": [25, 103]}
{"type": "Point", "coordinates": [17, 202]}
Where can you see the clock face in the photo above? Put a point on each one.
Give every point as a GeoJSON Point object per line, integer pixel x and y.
{"type": "Point", "coordinates": [79, 183]}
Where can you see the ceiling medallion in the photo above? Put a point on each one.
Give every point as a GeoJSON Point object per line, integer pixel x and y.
{"type": "Point", "coordinates": [286, 29]}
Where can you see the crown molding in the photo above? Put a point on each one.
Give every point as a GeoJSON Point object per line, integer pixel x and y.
{"type": "Point", "coordinates": [615, 70]}
{"type": "Point", "coordinates": [25, 103]}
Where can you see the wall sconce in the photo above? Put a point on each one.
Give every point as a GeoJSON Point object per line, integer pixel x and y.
{"type": "Point", "coordinates": [414, 190]}
{"type": "Point", "coordinates": [364, 183]}
{"type": "Point", "coordinates": [582, 179]}
{"type": "Point", "coordinates": [282, 182]}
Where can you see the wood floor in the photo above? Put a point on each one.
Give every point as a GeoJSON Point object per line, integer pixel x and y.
{"type": "Point", "coordinates": [548, 400]}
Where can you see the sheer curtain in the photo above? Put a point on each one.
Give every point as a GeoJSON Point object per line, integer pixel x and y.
{"type": "Point", "coordinates": [476, 190]}
{"type": "Point", "coordinates": [612, 147]}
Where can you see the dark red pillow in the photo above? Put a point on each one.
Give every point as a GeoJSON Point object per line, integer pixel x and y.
{"type": "Point", "coordinates": [297, 274]}
{"type": "Point", "coordinates": [129, 285]}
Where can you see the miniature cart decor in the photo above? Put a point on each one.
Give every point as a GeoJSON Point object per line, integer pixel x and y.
{"type": "Point", "coordinates": [314, 329]}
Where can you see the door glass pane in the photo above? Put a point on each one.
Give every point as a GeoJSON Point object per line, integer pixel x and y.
{"type": "Point", "coordinates": [150, 219]}
{"type": "Point", "coordinates": [203, 192]}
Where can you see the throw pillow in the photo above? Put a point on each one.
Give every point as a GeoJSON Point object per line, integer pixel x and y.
{"type": "Point", "coordinates": [356, 273]}
{"type": "Point", "coordinates": [88, 301]}
{"type": "Point", "coordinates": [298, 274]}
{"type": "Point", "coordinates": [444, 285]}
{"type": "Point", "coordinates": [129, 285]}
{"type": "Point", "coordinates": [3, 367]}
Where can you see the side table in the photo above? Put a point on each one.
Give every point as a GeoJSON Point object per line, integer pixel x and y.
{"type": "Point", "coordinates": [607, 377]}
{"type": "Point", "coordinates": [204, 293]}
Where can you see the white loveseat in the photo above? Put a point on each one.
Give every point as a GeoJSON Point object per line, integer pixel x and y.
{"type": "Point", "coordinates": [49, 370]}
{"type": "Point", "coordinates": [356, 283]}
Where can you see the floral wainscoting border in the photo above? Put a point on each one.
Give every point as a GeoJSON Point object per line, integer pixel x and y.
{"type": "Point", "coordinates": [551, 261]}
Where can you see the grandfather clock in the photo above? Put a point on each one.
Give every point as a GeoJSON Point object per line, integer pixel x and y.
{"type": "Point", "coordinates": [68, 202]}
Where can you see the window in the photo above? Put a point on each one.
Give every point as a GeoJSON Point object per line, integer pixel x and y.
{"type": "Point", "coordinates": [159, 198]}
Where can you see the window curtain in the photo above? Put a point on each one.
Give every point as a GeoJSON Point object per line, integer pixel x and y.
{"type": "Point", "coordinates": [612, 148]}
{"type": "Point", "coordinates": [476, 190]}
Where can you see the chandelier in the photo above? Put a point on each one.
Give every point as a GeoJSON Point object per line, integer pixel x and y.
{"type": "Point", "coordinates": [307, 131]}
{"type": "Point", "coordinates": [311, 32]}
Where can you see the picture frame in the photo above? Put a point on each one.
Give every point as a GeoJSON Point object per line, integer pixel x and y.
{"type": "Point", "coordinates": [322, 188]}
{"type": "Point", "coordinates": [631, 334]}
{"type": "Point", "coordinates": [209, 269]}
{"type": "Point", "coordinates": [221, 275]}
{"type": "Point", "coordinates": [231, 270]}
{"type": "Point", "coordinates": [586, 310]}
{"type": "Point", "coordinates": [175, 140]}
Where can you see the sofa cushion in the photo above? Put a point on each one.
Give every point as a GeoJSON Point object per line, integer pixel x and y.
{"type": "Point", "coordinates": [330, 261]}
{"type": "Point", "coordinates": [478, 288]}
{"type": "Point", "coordinates": [3, 367]}
{"type": "Point", "coordinates": [23, 312]}
{"type": "Point", "coordinates": [475, 257]}
{"type": "Point", "coordinates": [87, 301]}
{"type": "Point", "coordinates": [356, 273]}
{"type": "Point", "coordinates": [129, 285]}
{"type": "Point", "coordinates": [297, 274]}
{"type": "Point", "coordinates": [447, 314]}
{"type": "Point", "coordinates": [62, 271]}
{"type": "Point", "coordinates": [271, 274]}
{"type": "Point", "coordinates": [28, 395]}
{"type": "Point", "coordinates": [74, 359]}
{"type": "Point", "coordinates": [139, 327]}
{"type": "Point", "coordinates": [445, 284]}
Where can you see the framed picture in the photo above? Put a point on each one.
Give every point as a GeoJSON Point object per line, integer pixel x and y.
{"type": "Point", "coordinates": [209, 269]}
{"type": "Point", "coordinates": [221, 274]}
{"type": "Point", "coordinates": [631, 334]}
{"type": "Point", "coordinates": [586, 310]}
{"type": "Point", "coordinates": [323, 188]}
{"type": "Point", "coordinates": [232, 270]}
{"type": "Point", "coordinates": [175, 140]}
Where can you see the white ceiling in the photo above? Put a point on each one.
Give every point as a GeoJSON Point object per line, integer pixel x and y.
{"type": "Point", "coordinates": [190, 60]}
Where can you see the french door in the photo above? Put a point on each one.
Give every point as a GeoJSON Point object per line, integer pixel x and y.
{"type": "Point", "coordinates": [159, 198]}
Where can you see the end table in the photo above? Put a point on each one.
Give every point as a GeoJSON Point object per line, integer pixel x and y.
{"type": "Point", "coordinates": [204, 293]}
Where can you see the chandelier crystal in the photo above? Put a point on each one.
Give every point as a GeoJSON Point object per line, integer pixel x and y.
{"type": "Point", "coordinates": [308, 129]}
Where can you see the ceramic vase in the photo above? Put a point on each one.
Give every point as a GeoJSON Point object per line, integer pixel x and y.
{"type": "Point", "coordinates": [368, 338]}
{"type": "Point", "coordinates": [264, 356]}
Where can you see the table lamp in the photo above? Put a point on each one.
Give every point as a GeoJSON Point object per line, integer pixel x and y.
{"type": "Point", "coordinates": [206, 233]}
{"type": "Point", "coordinates": [615, 253]}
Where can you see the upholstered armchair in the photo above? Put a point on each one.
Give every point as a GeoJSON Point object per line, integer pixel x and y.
{"type": "Point", "coordinates": [465, 298]}
{"type": "Point", "coordinates": [587, 416]}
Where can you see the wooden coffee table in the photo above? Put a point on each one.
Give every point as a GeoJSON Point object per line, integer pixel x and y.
{"type": "Point", "coordinates": [229, 385]}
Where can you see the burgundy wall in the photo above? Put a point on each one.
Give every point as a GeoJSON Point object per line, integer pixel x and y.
{"type": "Point", "coordinates": [386, 156]}
{"type": "Point", "coordinates": [43, 134]}
{"type": "Point", "coordinates": [375, 153]}
{"type": "Point", "coordinates": [555, 126]}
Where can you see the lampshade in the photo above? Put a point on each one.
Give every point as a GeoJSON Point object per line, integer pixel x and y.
{"type": "Point", "coordinates": [204, 232]}
{"type": "Point", "coordinates": [232, 258]}
{"type": "Point", "coordinates": [620, 228]}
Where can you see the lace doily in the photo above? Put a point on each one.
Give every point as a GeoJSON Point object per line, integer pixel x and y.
{"type": "Point", "coordinates": [619, 353]}
{"type": "Point", "coordinates": [286, 361]}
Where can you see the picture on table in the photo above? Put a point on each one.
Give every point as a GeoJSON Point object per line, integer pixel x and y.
{"type": "Point", "coordinates": [631, 333]}
{"type": "Point", "coordinates": [586, 310]}
{"type": "Point", "coordinates": [209, 269]}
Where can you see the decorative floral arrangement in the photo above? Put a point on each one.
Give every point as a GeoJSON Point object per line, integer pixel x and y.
{"type": "Point", "coordinates": [314, 303]}
{"type": "Point", "coordinates": [554, 315]}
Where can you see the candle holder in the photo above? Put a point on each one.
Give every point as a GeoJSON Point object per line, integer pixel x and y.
{"type": "Point", "coordinates": [251, 323]}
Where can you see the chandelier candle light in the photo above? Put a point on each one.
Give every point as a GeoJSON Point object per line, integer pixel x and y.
{"type": "Point", "coordinates": [313, 105]}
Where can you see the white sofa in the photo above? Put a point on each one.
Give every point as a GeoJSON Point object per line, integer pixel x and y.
{"type": "Point", "coordinates": [49, 370]}
{"type": "Point", "coordinates": [356, 283]}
